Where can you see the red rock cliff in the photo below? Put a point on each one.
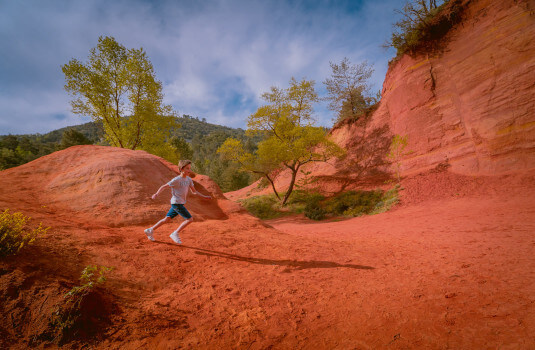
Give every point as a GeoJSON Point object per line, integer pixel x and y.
{"type": "Point", "coordinates": [470, 107]}
{"type": "Point", "coordinates": [473, 105]}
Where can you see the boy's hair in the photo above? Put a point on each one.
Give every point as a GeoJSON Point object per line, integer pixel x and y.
{"type": "Point", "coordinates": [182, 164]}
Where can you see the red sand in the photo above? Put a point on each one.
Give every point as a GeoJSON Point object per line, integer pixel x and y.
{"type": "Point", "coordinates": [452, 267]}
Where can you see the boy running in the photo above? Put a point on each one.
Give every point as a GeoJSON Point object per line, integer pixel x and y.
{"type": "Point", "coordinates": [179, 188]}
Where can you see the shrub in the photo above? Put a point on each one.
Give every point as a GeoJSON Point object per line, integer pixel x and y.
{"type": "Point", "coordinates": [424, 24]}
{"type": "Point", "coordinates": [314, 211]}
{"type": "Point", "coordinates": [268, 207]}
{"type": "Point", "coordinates": [349, 90]}
{"type": "Point", "coordinates": [390, 198]}
{"type": "Point", "coordinates": [316, 207]}
{"type": "Point", "coordinates": [353, 203]}
{"type": "Point", "coordinates": [300, 200]}
{"type": "Point", "coordinates": [15, 233]}
{"type": "Point", "coordinates": [263, 207]}
{"type": "Point", "coordinates": [80, 304]}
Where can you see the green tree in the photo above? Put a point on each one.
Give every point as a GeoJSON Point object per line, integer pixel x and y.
{"type": "Point", "coordinates": [423, 23]}
{"type": "Point", "coordinates": [9, 159]}
{"type": "Point", "coordinates": [117, 87]}
{"type": "Point", "coordinates": [183, 148]}
{"type": "Point", "coordinates": [10, 142]}
{"type": "Point", "coordinates": [71, 137]}
{"type": "Point", "coordinates": [290, 139]}
{"type": "Point", "coordinates": [348, 89]}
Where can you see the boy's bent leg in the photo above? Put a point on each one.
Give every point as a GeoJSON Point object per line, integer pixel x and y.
{"type": "Point", "coordinates": [174, 236]}
{"type": "Point", "coordinates": [161, 222]}
{"type": "Point", "coordinates": [150, 231]}
{"type": "Point", "coordinates": [184, 224]}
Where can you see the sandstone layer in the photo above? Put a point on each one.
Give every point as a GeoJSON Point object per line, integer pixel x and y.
{"type": "Point", "coordinates": [472, 105]}
{"type": "Point", "coordinates": [469, 108]}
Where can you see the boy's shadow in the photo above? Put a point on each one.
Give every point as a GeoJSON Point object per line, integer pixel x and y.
{"type": "Point", "coordinates": [291, 265]}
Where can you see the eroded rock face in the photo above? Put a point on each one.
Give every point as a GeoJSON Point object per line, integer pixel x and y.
{"type": "Point", "coordinates": [473, 105]}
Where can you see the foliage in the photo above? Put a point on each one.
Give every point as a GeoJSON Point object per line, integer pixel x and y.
{"type": "Point", "coordinates": [301, 198]}
{"type": "Point", "coordinates": [423, 24]}
{"type": "Point", "coordinates": [312, 205]}
{"type": "Point", "coordinates": [390, 198]}
{"type": "Point", "coordinates": [193, 126]}
{"type": "Point", "coordinates": [315, 211]}
{"type": "Point", "coordinates": [269, 207]}
{"type": "Point", "coordinates": [15, 150]}
{"type": "Point", "coordinates": [316, 207]}
{"type": "Point", "coordinates": [289, 137]}
{"type": "Point", "coordinates": [348, 90]}
{"type": "Point", "coordinates": [397, 148]}
{"type": "Point", "coordinates": [183, 148]}
{"type": "Point", "coordinates": [354, 203]}
{"type": "Point", "coordinates": [164, 149]}
{"type": "Point", "coordinates": [72, 137]}
{"type": "Point", "coordinates": [67, 317]}
{"type": "Point", "coordinates": [206, 160]}
{"type": "Point", "coordinates": [357, 203]}
{"type": "Point", "coordinates": [15, 233]}
{"type": "Point", "coordinates": [196, 140]}
{"type": "Point", "coordinates": [263, 207]}
{"type": "Point", "coordinates": [118, 87]}
{"type": "Point", "coordinates": [91, 130]}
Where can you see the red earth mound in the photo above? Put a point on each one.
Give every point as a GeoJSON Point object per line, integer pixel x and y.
{"type": "Point", "coordinates": [109, 186]}
{"type": "Point", "coordinates": [451, 267]}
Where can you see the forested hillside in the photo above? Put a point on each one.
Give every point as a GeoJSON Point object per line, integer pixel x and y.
{"type": "Point", "coordinates": [195, 139]}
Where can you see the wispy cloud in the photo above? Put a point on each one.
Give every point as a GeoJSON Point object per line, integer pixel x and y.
{"type": "Point", "coordinates": [215, 58]}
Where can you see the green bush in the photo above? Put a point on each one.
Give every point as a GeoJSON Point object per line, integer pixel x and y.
{"type": "Point", "coordinates": [300, 200]}
{"type": "Point", "coordinates": [263, 207]}
{"type": "Point", "coordinates": [423, 25]}
{"type": "Point", "coordinates": [268, 207]}
{"type": "Point", "coordinates": [15, 233]}
{"type": "Point", "coordinates": [353, 203]}
{"type": "Point", "coordinates": [316, 207]}
{"type": "Point", "coordinates": [390, 198]}
{"type": "Point", "coordinates": [314, 211]}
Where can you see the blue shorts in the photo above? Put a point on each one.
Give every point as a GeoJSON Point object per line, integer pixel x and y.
{"type": "Point", "coordinates": [178, 209]}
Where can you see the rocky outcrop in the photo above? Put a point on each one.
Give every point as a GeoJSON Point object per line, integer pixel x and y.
{"type": "Point", "coordinates": [469, 108]}
{"type": "Point", "coordinates": [472, 106]}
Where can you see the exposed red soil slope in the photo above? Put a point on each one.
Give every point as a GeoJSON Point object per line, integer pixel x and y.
{"type": "Point", "coordinates": [451, 267]}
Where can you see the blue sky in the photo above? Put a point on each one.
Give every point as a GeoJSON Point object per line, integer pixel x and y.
{"type": "Point", "coordinates": [215, 58]}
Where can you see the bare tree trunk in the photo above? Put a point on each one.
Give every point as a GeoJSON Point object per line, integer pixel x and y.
{"type": "Point", "coordinates": [291, 187]}
{"type": "Point", "coordinates": [273, 186]}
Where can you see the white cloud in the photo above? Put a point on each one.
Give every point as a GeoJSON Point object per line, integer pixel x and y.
{"type": "Point", "coordinates": [215, 58]}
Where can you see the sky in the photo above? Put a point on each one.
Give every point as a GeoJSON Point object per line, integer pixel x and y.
{"type": "Point", "coordinates": [214, 58]}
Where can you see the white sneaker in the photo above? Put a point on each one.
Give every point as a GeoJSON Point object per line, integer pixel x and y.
{"type": "Point", "coordinates": [174, 236]}
{"type": "Point", "coordinates": [149, 232]}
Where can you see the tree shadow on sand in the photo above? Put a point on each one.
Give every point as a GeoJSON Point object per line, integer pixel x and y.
{"type": "Point", "coordinates": [290, 265]}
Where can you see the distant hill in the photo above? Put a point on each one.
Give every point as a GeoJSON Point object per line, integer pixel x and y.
{"type": "Point", "coordinates": [191, 126]}
{"type": "Point", "coordinates": [202, 141]}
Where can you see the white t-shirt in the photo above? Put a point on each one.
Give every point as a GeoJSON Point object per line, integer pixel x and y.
{"type": "Point", "coordinates": [179, 187]}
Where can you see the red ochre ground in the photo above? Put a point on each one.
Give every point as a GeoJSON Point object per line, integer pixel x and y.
{"type": "Point", "coordinates": [451, 267]}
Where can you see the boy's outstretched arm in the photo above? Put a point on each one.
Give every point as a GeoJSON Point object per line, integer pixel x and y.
{"type": "Point", "coordinates": [194, 191]}
{"type": "Point", "coordinates": [159, 190]}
